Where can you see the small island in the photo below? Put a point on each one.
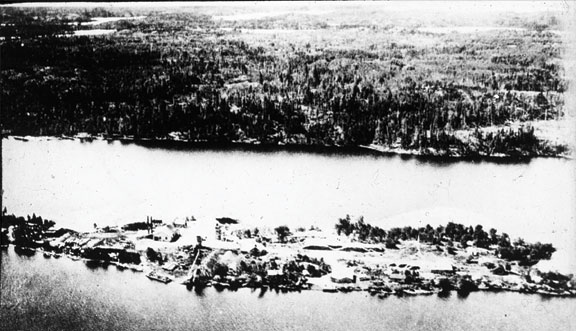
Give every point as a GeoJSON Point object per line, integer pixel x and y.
{"type": "Point", "coordinates": [354, 256]}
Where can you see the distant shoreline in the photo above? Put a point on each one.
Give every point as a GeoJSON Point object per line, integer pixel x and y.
{"type": "Point", "coordinates": [255, 146]}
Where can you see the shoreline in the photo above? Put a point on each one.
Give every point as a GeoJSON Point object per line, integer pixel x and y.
{"type": "Point", "coordinates": [461, 286]}
{"type": "Point", "coordinates": [257, 146]}
{"type": "Point", "coordinates": [373, 291]}
{"type": "Point", "coordinates": [310, 260]}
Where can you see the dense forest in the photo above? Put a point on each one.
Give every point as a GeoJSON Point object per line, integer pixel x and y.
{"type": "Point", "coordinates": [183, 76]}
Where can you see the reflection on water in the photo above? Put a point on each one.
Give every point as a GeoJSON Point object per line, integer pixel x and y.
{"type": "Point", "coordinates": [61, 294]}
{"type": "Point", "coordinates": [78, 184]}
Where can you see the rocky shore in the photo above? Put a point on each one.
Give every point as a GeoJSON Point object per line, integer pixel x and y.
{"type": "Point", "coordinates": [284, 261]}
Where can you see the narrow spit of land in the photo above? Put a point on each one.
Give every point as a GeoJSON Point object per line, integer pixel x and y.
{"type": "Point", "coordinates": [356, 257]}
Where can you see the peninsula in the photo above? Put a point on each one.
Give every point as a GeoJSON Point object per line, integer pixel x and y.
{"type": "Point", "coordinates": [355, 256]}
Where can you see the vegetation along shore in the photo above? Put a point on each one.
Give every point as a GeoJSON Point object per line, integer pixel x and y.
{"type": "Point", "coordinates": [353, 256]}
{"type": "Point", "coordinates": [396, 89]}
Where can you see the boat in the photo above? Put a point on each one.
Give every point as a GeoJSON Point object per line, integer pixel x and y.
{"type": "Point", "coordinates": [56, 255]}
{"type": "Point", "coordinates": [135, 268]}
{"type": "Point", "coordinates": [47, 255]}
{"type": "Point", "coordinates": [88, 139]}
{"type": "Point", "coordinates": [220, 285]}
{"type": "Point", "coordinates": [157, 277]}
{"type": "Point", "coordinates": [330, 289]}
{"type": "Point", "coordinates": [83, 136]}
{"type": "Point", "coordinates": [417, 292]}
{"type": "Point", "coordinates": [345, 289]}
{"type": "Point", "coordinates": [546, 292]}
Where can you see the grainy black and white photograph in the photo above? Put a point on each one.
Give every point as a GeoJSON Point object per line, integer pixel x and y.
{"type": "Point", "coordinates": [330, 165]}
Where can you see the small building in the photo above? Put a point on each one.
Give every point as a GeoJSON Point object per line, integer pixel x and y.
{"type": "Point", "coordinates": [170, 266]}
{"type": "Point", "coordinates": [442, 269]}
{"type": "Point", "coordinates": [152, 222]}
{"type": "Point", "coordinates": [399, 277]}
{"type": "Point", "coordinates": [226, 220]}
{"type": "Point", "coordinates": [222, 227]}
{"type": "Point", "coordinates": [165, 233]}
{"type": "Point", "coordinates": [247, 245]}
{"type": "Point", "coordinates": [354, 247]}
{"type": "Point", "coordinates": [273, 273]}
{"type": "Point", "coordinates": [316, 244]}
{"type": "Point", "coordinates": [180, 222]}
{"type": "Point", "coordinates": [344, 276]}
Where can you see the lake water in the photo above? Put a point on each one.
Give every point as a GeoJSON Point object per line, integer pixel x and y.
{"type": "Point", "coordinates": [78, 184]}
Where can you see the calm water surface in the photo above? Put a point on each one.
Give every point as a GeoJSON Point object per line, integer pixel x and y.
{"type": "Point", "coordinates": [78, 184]}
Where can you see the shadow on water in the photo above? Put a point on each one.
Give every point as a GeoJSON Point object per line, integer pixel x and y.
{"type": "Point", "coordinates": [218, 288]}
{"type": "Point", "coordinates": [462, 295]}
{"type": "Point", "coordinates": [253, 148]}
{"type": "Point", "coordinates": [550, 298]}
{"type": "Point", "coordinates": [320, 150]}
{"type": "Point", "coordinates": [263, 291]}
{"type": "Point", "coordinates": [198, 289]}
{"type": "Point", "coordinates": [545, 297]}
{"type": "Point", "coordinates": [91, 264]}
{"type": "Point", "coordinates": [95, 264]}
{"type": "Point", "coordinates": [445, 295]}
{"type": "Point", "coordinates": [24, 251]}
{"type": "Point", "coordinates": [343, 151]}
{"type": "Point", "coordinates": [443, 161]}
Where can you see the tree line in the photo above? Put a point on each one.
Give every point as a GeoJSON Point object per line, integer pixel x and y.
{"type": "Point", "coordinates": [204, 89]}
{"type": "Point", "coordinates": [449, 235]}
